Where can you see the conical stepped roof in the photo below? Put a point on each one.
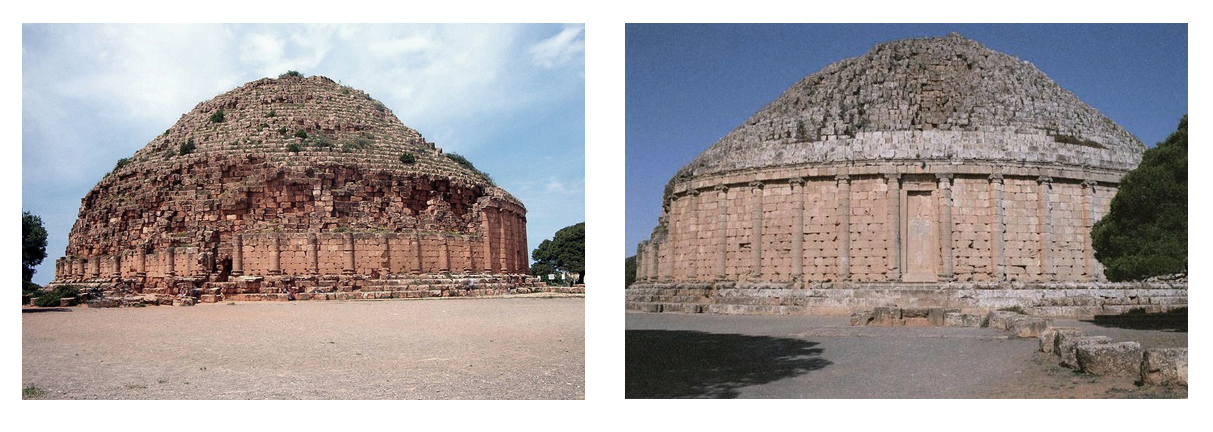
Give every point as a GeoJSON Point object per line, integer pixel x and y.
{"type": "Point", "coordinates": [938, 98]}
{"type": "Point", "coordinates": [291, 154]}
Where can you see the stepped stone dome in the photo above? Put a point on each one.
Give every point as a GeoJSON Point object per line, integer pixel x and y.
{"type": "Point", "coordinates": [938, 98]}
{"type": "Point", "coordinates": [282, 177]}
{"type": "Point", "coordinates": [924, 161]}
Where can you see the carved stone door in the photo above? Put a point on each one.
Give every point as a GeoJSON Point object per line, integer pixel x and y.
{"type": "Point", "coordinates": [921, 250]}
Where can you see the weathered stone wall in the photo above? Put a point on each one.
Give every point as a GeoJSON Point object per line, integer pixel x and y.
{"type": "Point", "coordinates": [1071, 299]}
{"type": "Point", "coordinates": [1044, 222]}
{"type": "Point", "coordinates": [301, 177]}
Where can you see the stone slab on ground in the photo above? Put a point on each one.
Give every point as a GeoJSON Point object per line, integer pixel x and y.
{"type": "Point", "coordinates": [1028, 326]}
{"type": "Point", "coordinates": [1067, 348]}
{"type": "Point", "coordinates": [1165, 366]}
{"type": "Point", "coordinates": [1121, 359]}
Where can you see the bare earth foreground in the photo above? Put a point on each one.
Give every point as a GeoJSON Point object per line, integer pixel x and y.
{"type": "Point", "coordinates": [512, 348]}
{"type": "Point", "coordinates": [722, 356]}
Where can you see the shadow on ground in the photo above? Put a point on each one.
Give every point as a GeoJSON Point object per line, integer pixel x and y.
{"type": "Point", "coordinates": [690, 364]}
{"type": "Point", "coordinates": [39, 310]}
{"type": "Point", "coordinates": [1173, 321]}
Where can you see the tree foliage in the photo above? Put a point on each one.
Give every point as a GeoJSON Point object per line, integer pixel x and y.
{"type": "Point", "coordinates": [629, 269]}
{"type": "Point", "coordinates": [33, 245]}
{"type": "Point", "coordinates": [563, 252]}
{"type": "Point", "coordinates": [1145, 233]}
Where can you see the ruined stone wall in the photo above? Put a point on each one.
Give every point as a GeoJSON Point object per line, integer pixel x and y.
{"type": "Point", "coordinates": [264, 254]}
{"type": "Point", "coordinates": [853, 227]}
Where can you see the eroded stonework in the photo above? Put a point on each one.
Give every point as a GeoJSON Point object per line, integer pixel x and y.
{"type": "Point", "coordinates": [300, 182]}
{"type": "Point", "coordinates": [925, 161]}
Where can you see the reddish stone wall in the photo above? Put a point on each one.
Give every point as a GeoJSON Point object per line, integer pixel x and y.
{"type": "Point", "coordinates": [265, 254]}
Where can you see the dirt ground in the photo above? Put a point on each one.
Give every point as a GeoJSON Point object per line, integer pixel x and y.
{"type": "Point", "coordinates": [715, 356]}
{"type": "Point", "coordinates": [509, 348]}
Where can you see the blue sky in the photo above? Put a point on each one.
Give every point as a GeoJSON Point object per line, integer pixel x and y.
{"type": "Point", "coordinates": [511, 98]}
{"type": "Point", "coordinates": [689, 85]}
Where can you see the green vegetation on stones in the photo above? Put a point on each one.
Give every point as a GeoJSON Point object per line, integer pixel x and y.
{"type": "Point", "coordinates": [459, 159]}
{"type": "Point", "coordinates": [217, 116]}
{"type": "Point", "coordinates": [282, 130]}
{"type": "Point", "coordinates": [1145, 233]}
{"type": "Point", "coordinates": [272, 113]}
{"type": "Point", "coordinates": [121, 163]}
{"type": "Point", "coordinates": [1016, 309]}
{"type": "Point", "coordinates": [408, 158]}
{"type": "Point", "coordinates": [186, 148]}
{"type": "Point", "coordinates": [291, 73]}
{"type": "Point", "coordinates": [51, 298]}
{"type": "Point", "coordinates": [301, 134]}
{"type": "Point", "coordinates": [293, 148]}
{"type": "Point", "coordinates": [322, 141]}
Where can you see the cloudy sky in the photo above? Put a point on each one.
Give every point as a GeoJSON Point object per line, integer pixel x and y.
{"type": "Point", "coordinates": [689, 85]}
{"type": "Point", "coordinates": [511, 98]}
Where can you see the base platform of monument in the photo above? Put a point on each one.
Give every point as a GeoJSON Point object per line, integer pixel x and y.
{"type": "Point", "coordinates": [1068, 299]}
{"type": "Point", "coordinates": [327, 287]}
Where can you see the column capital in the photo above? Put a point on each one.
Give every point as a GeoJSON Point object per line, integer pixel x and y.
{"type": "Point", "coordinates": [945, 180]}
{"type": "Point", "coordinates": [693, 192]}
{"type": "Point", "coordinates": [721, 188]}
{"type": "Point", "coordinates": [892, 177]}
{"type": "Point", "coordinates": [1044, 179]}
{"type": "Point", "coordinates": [842, 178]}
{"type": "Point", "coordinates": [757, 184]}
{"type": "Point", "coordinates": [996, 178]}
{"type": "Point", "coordinates": [796, 181]}
{"type": "Point", "coordinates": [1089, 183]}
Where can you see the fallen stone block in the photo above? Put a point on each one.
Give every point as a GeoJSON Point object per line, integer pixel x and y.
{"type": "Point", "coordinates": [1165, 366]}
{"type": "Point", "coordinates": [1061, 334]}
{"type": "Point", "coordinates": [887, 316]}
{"type": "Point", "coordinates": [938, 316]}
{"type": "Point", "coordinates": [1048, 338]}
{"type": "Point", "coordinates": [1068, 348]}
{"type": "Point", "coordinates": [1121, 359]}
{"type": "Point", "coordinates": [862, 318]}
{"type": "Point", "coordinates": [1027, 326]}
{"type": "Point", "coordinates": [66, 301]}
{"type": "Point", "coordinates": [184, 301]}
{"type": "Point", "coordinates": [998, 319]}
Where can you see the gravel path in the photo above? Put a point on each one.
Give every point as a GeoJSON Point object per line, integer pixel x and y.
{"type": "Point", "coordinates": [521, 348]}
{"type": "Point", "coordinates": [717, 356]}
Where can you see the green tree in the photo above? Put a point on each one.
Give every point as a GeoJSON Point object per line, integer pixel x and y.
{"type": "Point", "coordinates": [33, 246]}
{"type": "Point", "coordinates": [563, 252]}
{"type": "Point", "coordinates": [629, 269]}
{"type": "Point", "coordinates": [1145, 233]}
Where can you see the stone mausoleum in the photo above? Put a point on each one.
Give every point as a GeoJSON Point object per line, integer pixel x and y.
{"type": "Point", "coordinates": [928, 172]}
{"type": "Point", "coordinates": [302, 183]}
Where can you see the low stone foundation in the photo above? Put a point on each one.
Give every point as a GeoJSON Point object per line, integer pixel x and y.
{"type": "Point", "coordinates": [1062, 300]}
{"type": "Point", "coordinates": [344, 287]}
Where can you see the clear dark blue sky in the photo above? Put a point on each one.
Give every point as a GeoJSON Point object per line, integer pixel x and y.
{"type": "Point", "coordinates": [689, 85]}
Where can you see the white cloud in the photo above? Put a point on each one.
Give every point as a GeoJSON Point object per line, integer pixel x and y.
{"type": "Point", "coordinates": [566, 47]}
{"type": "Point", "coordinates": [554, 185]}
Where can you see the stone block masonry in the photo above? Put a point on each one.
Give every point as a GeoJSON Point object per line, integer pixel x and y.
{"type": "Point", "coordinates": [302, 180]}
{"type": "Point", "coordinates": [927, 173]}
